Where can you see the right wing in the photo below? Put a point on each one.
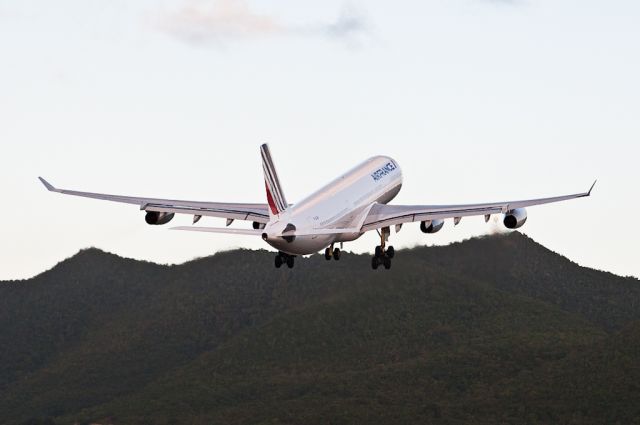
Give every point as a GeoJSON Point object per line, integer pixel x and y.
{"type": "Point", "coordinates": [235, 211]}
{"type": "Point", "coordinates": [382, 215]}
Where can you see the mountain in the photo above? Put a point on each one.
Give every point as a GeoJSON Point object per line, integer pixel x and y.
{"type": "Point", "coordinates": [492, 330]}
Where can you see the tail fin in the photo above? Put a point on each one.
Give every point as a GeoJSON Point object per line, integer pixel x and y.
{"type": "Point", "coordinates": [275, 196]}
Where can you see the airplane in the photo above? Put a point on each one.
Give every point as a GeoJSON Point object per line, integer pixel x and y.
{"type": "Point", "coordinates": [343, 210]}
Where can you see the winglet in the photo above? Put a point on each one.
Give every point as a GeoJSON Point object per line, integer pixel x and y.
{"type": "Point", "coordinates": [48, 185]}
{"type": "Point", "coordinates": [590, 189]}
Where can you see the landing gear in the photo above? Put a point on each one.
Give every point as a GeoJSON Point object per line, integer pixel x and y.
{"type": "Point", "coordinates": [382, 260]}
{"type": "Point", "coordinates": [282, 258]}
{"type": "Point", "coordinates": [383, 256]}
{"type": "Point", "coordinates": [332, 253]}
{"type": "Point", "coordinates": [391, 252]}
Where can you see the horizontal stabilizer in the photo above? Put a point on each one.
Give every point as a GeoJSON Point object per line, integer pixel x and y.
{"type": "Point", "coordinates": [249, 232]}
{"type": "Point", "coordinates": [258, 232]}
{"type": "Point", "coordinates": [318, 232]}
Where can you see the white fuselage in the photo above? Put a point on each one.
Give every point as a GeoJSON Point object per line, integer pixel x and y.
{"type": "Point", "coordinates": [341, 204]}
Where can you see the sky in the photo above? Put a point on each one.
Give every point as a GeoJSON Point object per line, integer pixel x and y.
{"type": "Point", "coordinates": [477, 100]}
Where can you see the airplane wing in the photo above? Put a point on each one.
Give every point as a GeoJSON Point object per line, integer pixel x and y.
{"type": "Point", "coordinates": [388, 215]}
{"type": "Point", "coordinates": [236, 211]}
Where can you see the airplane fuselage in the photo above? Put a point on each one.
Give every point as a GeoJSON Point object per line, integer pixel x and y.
{"type": "Point", "coordinates": [342, 204]}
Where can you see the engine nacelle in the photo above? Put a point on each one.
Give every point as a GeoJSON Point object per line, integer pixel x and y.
{"type": "Point", "coordinates": [431, 226]}
{"type": "Point", "coordinates": [157, 218]}
{"type": "Point", "coordinates": [257, 225]}
{"type": "Point", "coordinates": [514, 219]}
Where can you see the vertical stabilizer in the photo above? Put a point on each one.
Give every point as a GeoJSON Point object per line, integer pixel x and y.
{"type": "Point", "coordinates": [275, 196]}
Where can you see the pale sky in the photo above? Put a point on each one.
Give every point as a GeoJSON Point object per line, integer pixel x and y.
{"type": "Point", "coordinates": [477, 100]}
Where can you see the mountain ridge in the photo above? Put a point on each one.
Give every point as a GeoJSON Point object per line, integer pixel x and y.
{"type": "Point", "coordinates": [465, 333]}
{"type": "Point", "coordinates": [91, 250]}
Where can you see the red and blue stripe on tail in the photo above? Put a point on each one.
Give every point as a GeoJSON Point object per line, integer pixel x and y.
{"type": "Point", "coordinates": [275, 196]}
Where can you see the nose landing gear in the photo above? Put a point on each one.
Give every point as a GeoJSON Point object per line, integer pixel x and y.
{"type": "Point", "coordinates": [383, 256]}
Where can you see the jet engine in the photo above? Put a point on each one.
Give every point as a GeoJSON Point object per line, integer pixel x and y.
{"type": "Point", "coordinates": [431, 226]}
{"type": "Point", "coordinates": [157, 218]}
{"type": "Point", "coordinates": [514, 219]}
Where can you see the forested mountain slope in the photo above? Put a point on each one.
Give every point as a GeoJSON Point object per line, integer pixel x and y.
{"type": "Point", "coordinates": [492, 330]}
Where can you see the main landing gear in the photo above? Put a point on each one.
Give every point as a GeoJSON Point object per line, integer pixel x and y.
{"type": "Point", "coordinates": [332, 252]}
{"type": "Point", "coordinates": [383, 256]}
{"type": "Point", "coordinates": [282, 258]}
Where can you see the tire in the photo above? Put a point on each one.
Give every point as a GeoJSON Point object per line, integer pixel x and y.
{"type": "Point", "coordinates": [386, 261]}
{"type": "Point", "coordinates": [278, 261]}
{"type": "Point", "coordinates": [379, 252]}
{"type": "Point", "coordinates": [336, 254]}
{"type": "Point", "coordinates": [290, 261]}
{"type": "Point", "coordinates": [327, 254]}
{"type": "Point", "coordinates": [391, 252]}
{"type": "Point", "coordinates": [374, 263]}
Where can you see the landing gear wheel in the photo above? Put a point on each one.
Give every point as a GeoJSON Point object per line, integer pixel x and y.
{"type": "Point", "coordinates": [290, 260]}
{"type": "Point", "coordinates": [375, 262]}
{"type": "Point", "coordinates": [379, 252]}
{"type": "Point", "coordinates": [327, 254]}
{"type": "Point", "coordinates": [391, 252]}
{"type": "Point", "coordinates": [336, 254]}
{"type": "Point", "coordinates": [386, 261]}
{"type": "Point", "coordinates": [278, 261]}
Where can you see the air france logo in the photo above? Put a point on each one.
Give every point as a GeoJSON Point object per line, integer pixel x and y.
{"type": "Point", "coordinates": [383, 171]}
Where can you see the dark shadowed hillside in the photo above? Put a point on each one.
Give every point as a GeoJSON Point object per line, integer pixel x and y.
{"type": "Point", "coordinates": [493, 330]}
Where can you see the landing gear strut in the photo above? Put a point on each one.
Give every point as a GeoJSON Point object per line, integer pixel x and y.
{"type": "Point", "coordinates": [283, 258]}
{"type": "Point", "coordinates": [383, 255]}
{"type": "Point", "coordinates": [332, 252]}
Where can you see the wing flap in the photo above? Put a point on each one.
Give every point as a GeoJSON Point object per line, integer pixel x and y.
{"type": "Point", "coordinates": [380, 216]}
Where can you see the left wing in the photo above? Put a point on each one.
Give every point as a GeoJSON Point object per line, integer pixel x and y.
{"type": "Point", "coordinates": [382, 215]}
{"type": "Point", "coordinates": [236, 211]}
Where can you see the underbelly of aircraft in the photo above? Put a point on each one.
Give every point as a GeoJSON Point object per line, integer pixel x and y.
{"type": "Point", "coordinates": [303, 245]}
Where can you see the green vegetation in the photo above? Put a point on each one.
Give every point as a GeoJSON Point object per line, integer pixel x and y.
{"type": "Point", "coordinates": [492, 330]}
